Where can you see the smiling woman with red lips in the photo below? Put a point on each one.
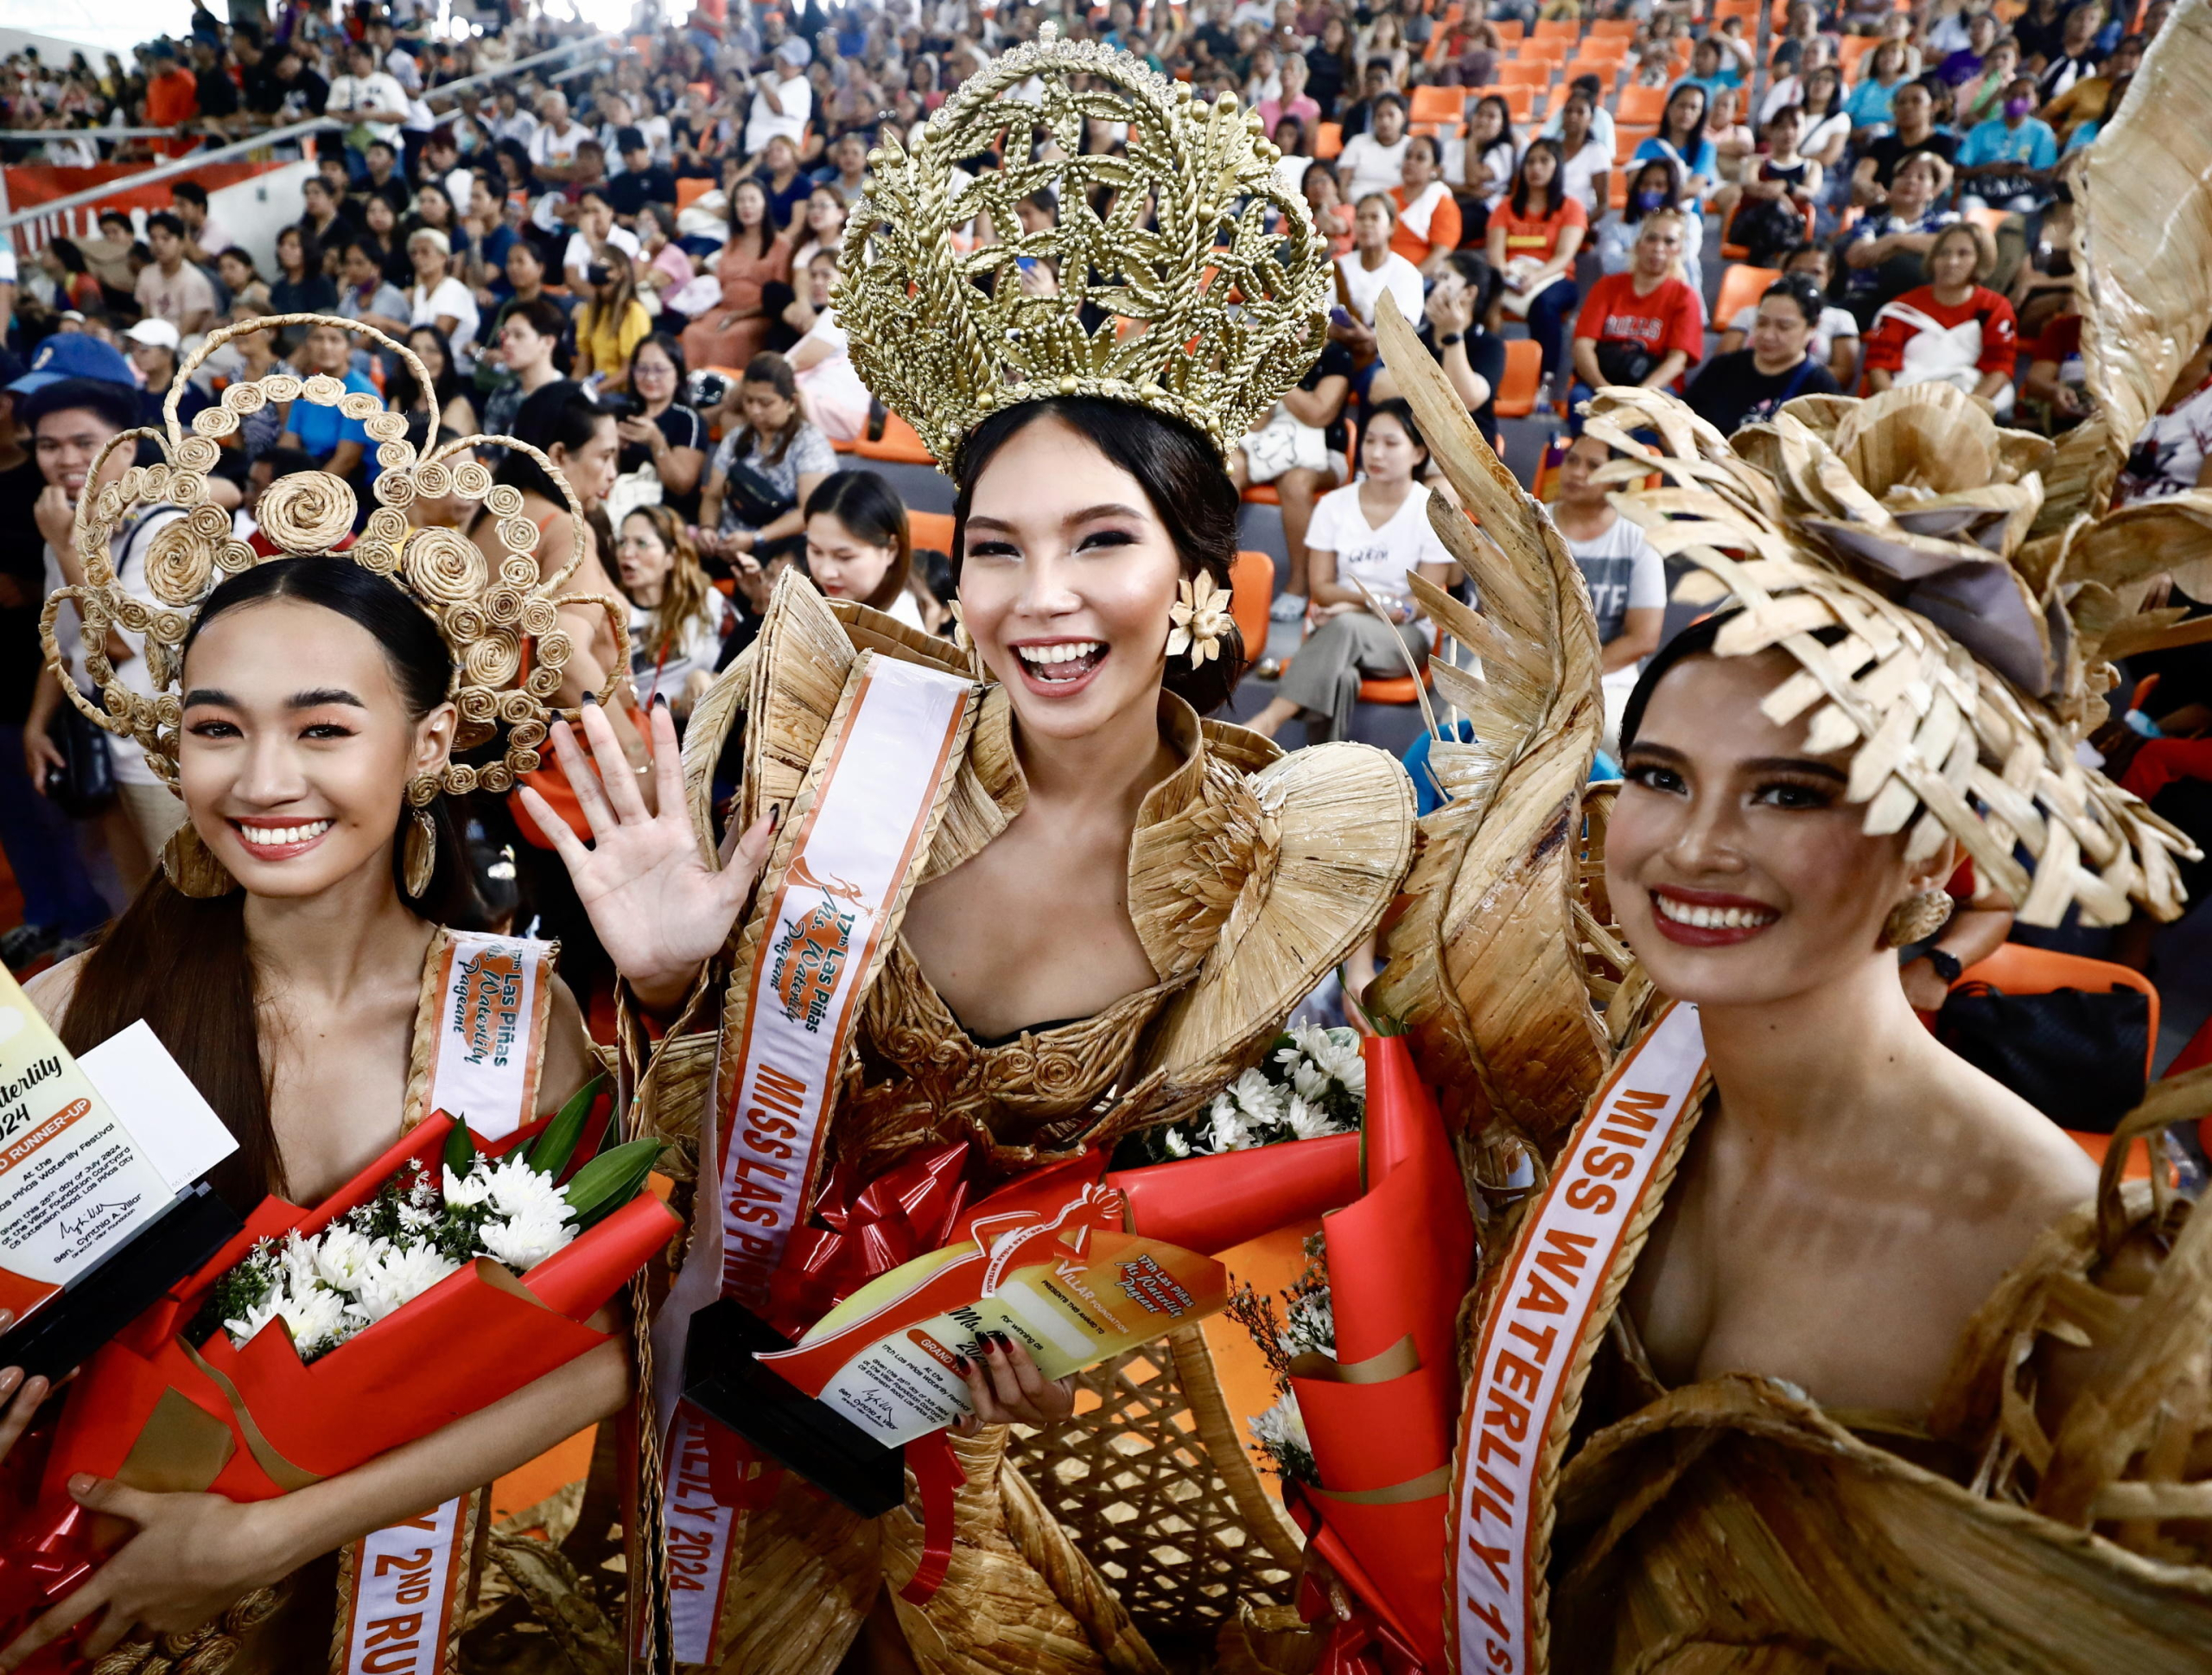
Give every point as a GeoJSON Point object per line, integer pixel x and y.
{"type": "Point", "coordinates": [1117, 908]}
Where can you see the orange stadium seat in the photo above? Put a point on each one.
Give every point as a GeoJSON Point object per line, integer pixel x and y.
{"type": "Point", "coordinates": [1508, 30]}
{"type": "Point", "coordinates": [1627, 136]}
{"type": "Point", "coordinates": [1741, 287]}
{"type": "Point", "coordinates": [1328, 140]}
{"type": "Point", "coordinates": [1640, 105]}
{"type": "Point", "coordinates": [1525, 73]}
{"type": "Point", "coordinates": [1559, 28]}
{"type": "Point", "coordinates": [1439, 104]}
{"type": "Point", "coordinates": [932, 529]}
{"type": "Point", "coordinates": [1520, 101]}
{"type": "Point", "coordinates": [688, 192]}
{"type": "Point", "coordinates": [1516, 395]}
{"type": "Point", "coordinates": [899, 445]}
{"type": "Point", "coordinates": [1251, 590]}
{"type": "Point", "coordinates": [1615, 29]}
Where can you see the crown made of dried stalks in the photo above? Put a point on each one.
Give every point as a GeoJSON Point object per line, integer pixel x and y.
{"type": "Point", "coordinates": [1210, 313]}
{"type": "Point", "coordinates": [1879, 543]}
{"type": "Point", "coordinates": [500, 622]}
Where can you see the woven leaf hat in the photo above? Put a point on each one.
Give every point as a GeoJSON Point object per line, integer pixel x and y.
{"type": "Point", "coordinates": [500, 621]}
{"type": "Point", "coordinates": [1884, 545]}
{"type": "Point", "coordinates": [1211, 312]}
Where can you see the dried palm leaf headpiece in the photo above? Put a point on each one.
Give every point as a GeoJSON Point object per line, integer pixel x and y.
{"type": "Point", "coordinates": [1211, 312]}
{"type": "Point", "coordinates": [1884, 545]}
{"type": "Point", "coordinates": [500, 623]}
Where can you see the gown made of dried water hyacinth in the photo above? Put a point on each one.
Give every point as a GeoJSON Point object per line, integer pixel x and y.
{"type": "Point", "coordinates": [542, 1590]}
{"type": "Point", "coordinates": [1250, 874]}
{"type": "Point", "coordinates": [1733, 1525]}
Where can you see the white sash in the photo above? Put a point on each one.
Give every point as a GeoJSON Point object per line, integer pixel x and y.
{"type": "Point", "coordinates": [859, 832]}
{"type": "Point", "coordinates": [1416, 215]}
{"type": "Point", "coordinates": [1557, 1291]}
{"type": "Point", "coordinates": [1937, 354]}
{"type": "Point", "coordinates": [488, 998]}
{"type": "Point", "coordinates": [406, 1592]}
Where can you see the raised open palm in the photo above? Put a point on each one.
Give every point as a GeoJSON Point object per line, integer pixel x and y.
{"type": "Point", "coordinates": [660, 910]}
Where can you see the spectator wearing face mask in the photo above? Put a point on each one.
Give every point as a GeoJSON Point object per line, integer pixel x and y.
{"type": "Point", "coordinates": [2007, 162]}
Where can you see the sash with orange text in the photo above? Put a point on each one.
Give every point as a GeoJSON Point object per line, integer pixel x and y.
{"type": "Point", "coordinates": [402, 1591]}
{"type": "Point", "coordinates": [858, 835]}
{"type": "Point", "coordinates": [1555, 1293]}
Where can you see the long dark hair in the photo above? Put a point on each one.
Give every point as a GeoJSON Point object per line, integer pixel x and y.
{"type": "Point", "coordinates": [401, 381]}
{"type": "Point", "coordinates": [1182, 476]}
{"type": "Point", "coordinates": [181, 962]}
{"type": "Point", "coordinates": [563, 412]}
{"type": "Point", "coordinates": [871, 508]}
{"type": "Point", "coordinates": [769, 368]}
{"type": "Point", "coordinates": [1688, 144]}
{"type": "Point", "coordinates": [1555, 194]}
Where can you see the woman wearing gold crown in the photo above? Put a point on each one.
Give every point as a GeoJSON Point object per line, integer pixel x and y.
{"type": "Point", "coordinates": [315, 712]}
{"type": "Point", "coordinates": [1801, 1345]}
{"type": "Point", "coordinates": [1029, 899]}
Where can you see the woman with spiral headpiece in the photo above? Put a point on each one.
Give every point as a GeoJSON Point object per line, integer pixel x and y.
{"type": "Point", "coordinates": [317, 713]}
{"type": "Point", "coordinates": [1108, 905]}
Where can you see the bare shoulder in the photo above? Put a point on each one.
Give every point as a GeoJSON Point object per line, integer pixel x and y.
{"type": "Point", "coordinates": [569, 1062]}
{"type": "Point", "coordinates": [51, 989]}
{"type": "Point", "coordinates": [2014, 1170]}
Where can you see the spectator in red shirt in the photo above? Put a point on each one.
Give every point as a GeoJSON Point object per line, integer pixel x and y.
{"type": "Point", "coordinates": [172, 97]}
{"type": "Point", "coordinates": [1953, 329]}
{"type": "Point", "coordinates": [1643, 326]}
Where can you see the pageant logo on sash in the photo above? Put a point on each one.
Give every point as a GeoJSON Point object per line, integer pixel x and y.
{"type": "Point", "coordinates": [1544, 1306]}
{"type": "Point", "coordinates": [875, 787]}
{"type": "Point", "coordinates": [495, 996]}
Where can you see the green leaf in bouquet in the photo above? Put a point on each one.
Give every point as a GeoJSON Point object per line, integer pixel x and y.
{"type": "Point", "coordinates": [460, 1151]}
{"type": "Point", "coordinates": [551, 1152]}
{"type": "Point", "coordinates": [610, 1181]}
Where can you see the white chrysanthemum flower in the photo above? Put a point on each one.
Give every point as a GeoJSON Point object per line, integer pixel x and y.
{"type": "Point", "coordinates": [1261, 1099]}
{"type": "Point", "coordinates": [462, 1191]}
{"type": "Point", "coordinates": [317, 1317]}
{"type": "Point", "coordinates": [397, 1278]}
{"type": "Point", "coordinates": [1309, 1080]}
{"type": "Point", "coordinates": [342, 1253]}
{"type": "Point", "coordinates": [1229, 1133]}
{"type": "Point", "coordinates": [295, 1270]}
{"type": "Point", "coordinates": [1174, 1145]}
{"type": "Point", "coordinates": [1282, 1424]}
{"type": "Point", "coordinates": [243, 1328]}
{"type": "Point", "coordinates": [418, 1218]}
{"type": "Point", "coordinates": [525, 1240]}
{"type": "Point", "coordinates": [1309, 1122]}
{"type": "Point", "coordinates": [519, 1190]}
{"type": "Point", "coordinates": [1310, 1323]}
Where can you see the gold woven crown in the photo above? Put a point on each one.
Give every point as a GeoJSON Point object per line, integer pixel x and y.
{"type": "Point", "coordinates": [1967, 660]}
{"type": "Point", "coordinates": [493, 621]}
{"type": "Point", "coordinates": [1210, 313]}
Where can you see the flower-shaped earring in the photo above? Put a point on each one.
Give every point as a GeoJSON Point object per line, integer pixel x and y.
{"type": "Point", "coordinates": [1200, 618]}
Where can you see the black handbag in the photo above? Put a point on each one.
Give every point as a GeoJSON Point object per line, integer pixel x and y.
{"type": "Point", "coordinates": [84, 784]}
{"type": "Point", "coordinates": [753, 496]}
{"type": "Point", "coordinates": [1623, 361]}
{"type": "Point", "coordinates": [2076, 1055]}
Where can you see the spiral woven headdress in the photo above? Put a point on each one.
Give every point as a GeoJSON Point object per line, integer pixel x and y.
{"type": "Point", "coordinates": [1209, 313]}
{"type": "Point", "coordinates": [500, 622]}
{"type": "Point", "coordinates": [1884, 545]}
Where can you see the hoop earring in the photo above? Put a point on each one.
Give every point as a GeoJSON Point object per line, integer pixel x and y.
{"type": "Point", "coordinates": [1916, 918]}
{"type": "Point", "coordinates": [191, 867]}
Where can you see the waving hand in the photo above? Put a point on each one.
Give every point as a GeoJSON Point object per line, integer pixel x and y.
{"type": "Point", "coordinates": [659, 909]}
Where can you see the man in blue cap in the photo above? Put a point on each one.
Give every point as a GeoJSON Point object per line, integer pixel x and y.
{"type": "Point", "coordinates": [78, 395]}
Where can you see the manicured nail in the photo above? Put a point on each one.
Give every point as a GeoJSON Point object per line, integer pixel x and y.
{"type": "Point", "coordinates": [775, 815]}
{"type": "Point", "coordinates": [591, 698]}
{"type": "Point", "coordinates": [960, 1363]}
{"type": "Point", "coordinates": [7, 1319]}
{"type": "Point", "coordinates": [10, 1378]}
{"type": "Point", "coordinates": [660, 700]}
{"type": "Point", "coordinates": [81, 1485]}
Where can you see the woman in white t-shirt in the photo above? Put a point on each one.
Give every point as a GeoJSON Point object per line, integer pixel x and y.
{"type": "Point", "coordinates": [677, 618]}
{"type": "Point", "coordinates": [1375, 161]}
{"type": "Point", "coordinates": [1371, 267]}
{"type": "Point", "coordinates": [439, 299]}
{"type": "Point", "coordinates": [858, 546]}
{"type": "Point", "coordinates": [1361, 543]}
{"type": "Point", "coordinates": [1623, 571]}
